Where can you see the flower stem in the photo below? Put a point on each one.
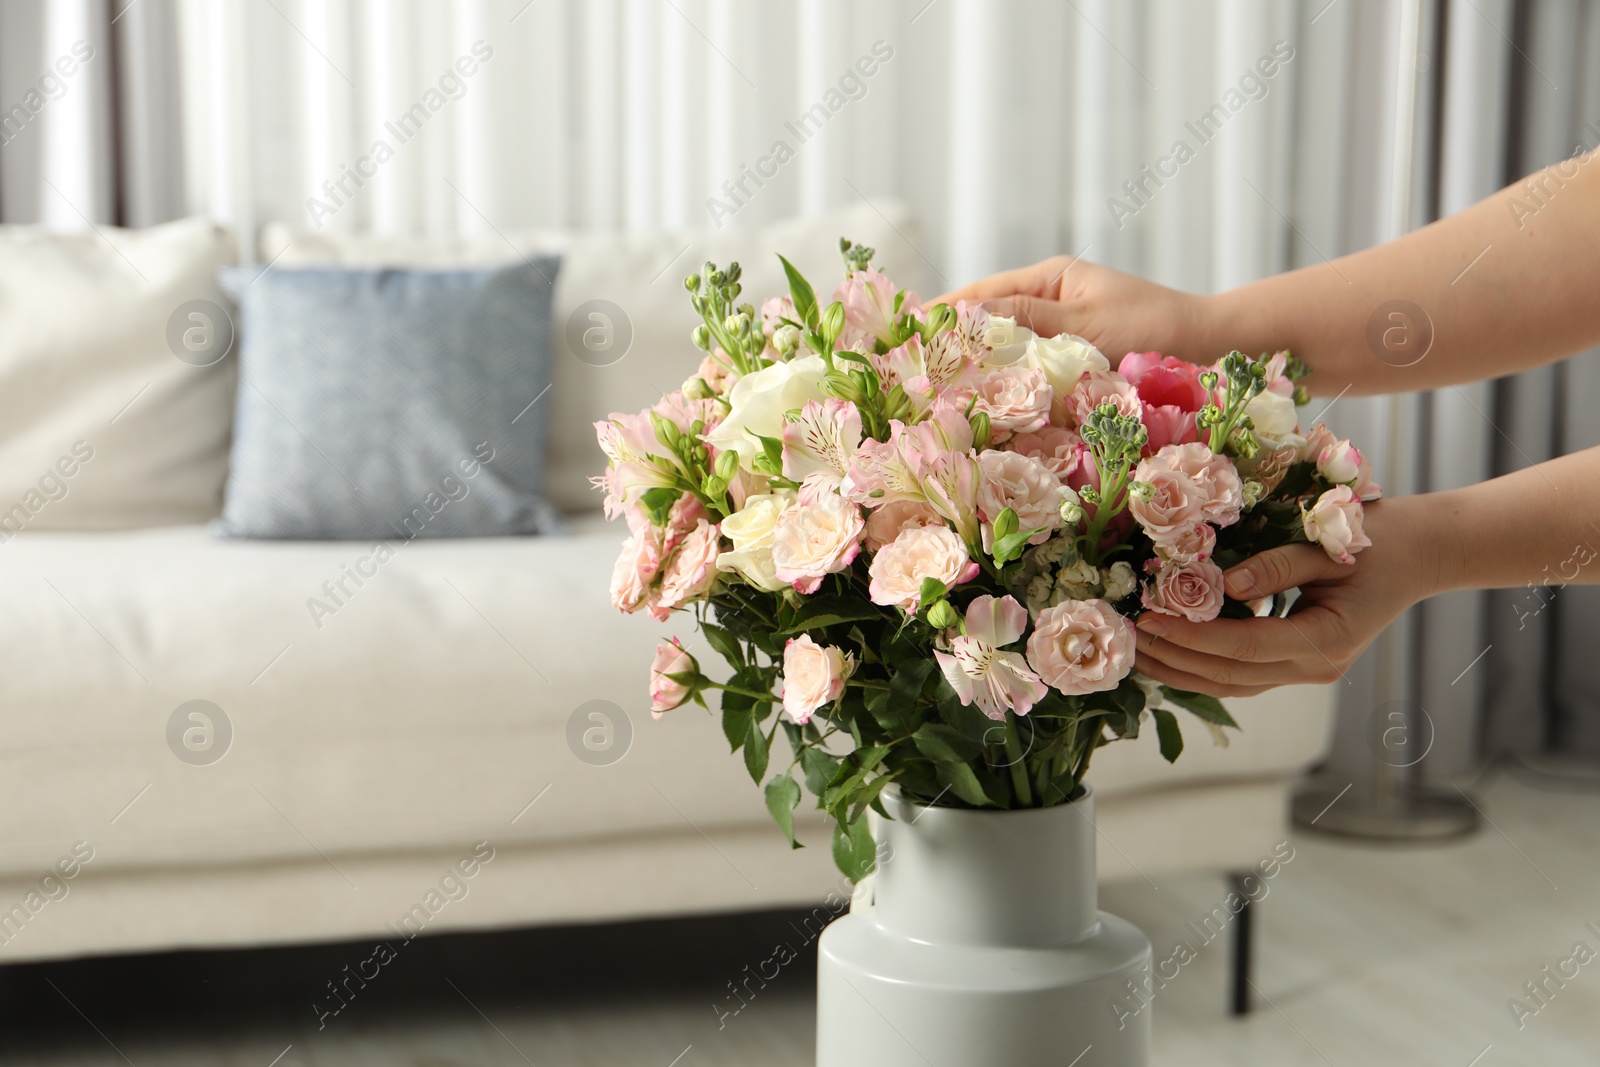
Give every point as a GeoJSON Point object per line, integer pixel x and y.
{"type": "Point", "coordinates": [1019, 772]}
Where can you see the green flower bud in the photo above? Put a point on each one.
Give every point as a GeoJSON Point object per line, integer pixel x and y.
{"type": "Point", "coordinates": [715, 486]}
{"type": "Point", "coordinates": [981, 429]}
{"type": "Point", "coordinates": [786, 339]}
{"type": "Point", "coordinates": [692, 283]}
{"type": "Point", "coordinates": [942, 616]}
{"type": "Point", "coordinates": [697, 389]}
{"type": "Point", "coordinates": [727, 465]}
{"type": "Point", "coordinates": [701, 336]}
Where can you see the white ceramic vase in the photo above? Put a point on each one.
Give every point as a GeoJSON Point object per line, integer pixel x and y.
{"type": "Point", "coordinates": [982, 945]}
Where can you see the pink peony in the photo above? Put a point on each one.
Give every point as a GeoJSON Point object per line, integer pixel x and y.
{"type": "Point", "coordinates": [636, 568]}
{"type": "Point", "coordinates": [816, 539]}
{"type": "Point", "coordinates": [1335, 523]}
{"type": "Point", "coordinates": [1081, 646]}
{"type": "Point", "coordinates": [1057, 448]}
{"type": "Point", "coordinates": [1175, 504]}
{"type": "Point", "coordinates": [665, 693]}
{"type": "Point", "coordinates": [1168, 426]}
{"type": "Point", "coordinates": [979, 672]}
{"type": "Point", "coordinates": [691, 571]}
{"type": "Point", "coordinates": [1164, 381]}
{"type": "Point", "coordinates": [1221, 489]}
{"type": "Point", "coordinates": [813, 675]}
{"type": "Point", "coordinates": [898, 569]}
{"type": "Point", "coordinates": [1016, 399]}
{"type": "Point", "coordinates": [889, 521]}
{"type": "Point", "coordinates": [1191, 590]}
{"type": "Point", "coordinates": [1023, 484]}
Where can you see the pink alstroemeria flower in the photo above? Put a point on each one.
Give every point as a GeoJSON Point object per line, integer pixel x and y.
{"type": "Point", "coordinates": [979, 672]}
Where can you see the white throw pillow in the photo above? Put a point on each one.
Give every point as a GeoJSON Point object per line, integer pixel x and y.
{"type": "Point", "coordinates": [102, 426]}
{"type": "Point", "coordinates": [642, 275]}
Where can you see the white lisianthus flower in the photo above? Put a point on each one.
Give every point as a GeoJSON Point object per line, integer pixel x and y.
{"type": "Point", "coordinates": [752, 530]}
{"type": "Point", "coordinates": [1273, 417]}
{"type": "Point", "coordinates": [1064, 359]}
{"type": "Point", "coordinates": [757, 403]}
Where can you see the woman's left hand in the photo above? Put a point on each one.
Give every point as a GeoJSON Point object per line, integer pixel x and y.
{"type": "Point", "coordinates": [1341, 610]}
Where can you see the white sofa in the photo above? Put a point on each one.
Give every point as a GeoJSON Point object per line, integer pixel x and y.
{"type": "Point", "coordinates": [371, 754]}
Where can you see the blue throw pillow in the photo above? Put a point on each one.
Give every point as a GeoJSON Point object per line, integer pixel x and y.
{"type": "Point", "coordinates": [390, 404]}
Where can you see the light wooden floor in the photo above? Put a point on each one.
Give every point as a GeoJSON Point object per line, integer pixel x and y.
{"type": "Point", "coordinates": [1366, 957]}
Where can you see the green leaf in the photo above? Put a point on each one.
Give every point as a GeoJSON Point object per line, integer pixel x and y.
{"type": "Point", "coordinates": [1167, 732]}
{"type": "Point", "coordinates": [905, 685]}
{"type": "Point", "coordinates": [932, 589]}
{"type": "Point", "coordinates": [854, 851]}
{"type": "Point", "coordinates": [783, 796]}
{"type": "Point", "coordinates": [820, 769]}
{"type": "Point", "coordinates": [818, 612]}
{"type": "Point", "coordinates": [724, 643]}
{"type": "Point", "coordinates": [944, 744]}
{"type": "Point", "coordinates": [737, 720]}
{"type": "Point", "coordinates": [805, 300]}
{"type": "Point", "coordinates": [757, 751]}
{"type": "Point", "coordinates": [869, 795]}
{"type": "Point", "coordinates": [960, 780]}
{"type": "Point", "coordinates": [1208, 708]}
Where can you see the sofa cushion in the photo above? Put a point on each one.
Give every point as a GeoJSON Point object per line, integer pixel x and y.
{"type": "Point", "coordinates": [388, 697]}
{"type": "Point", "coordinates": [116, 387]}
{"type": "Point", "coordinates": [380, 402]}
{"type": "Point", "coordinates": [639, 348]}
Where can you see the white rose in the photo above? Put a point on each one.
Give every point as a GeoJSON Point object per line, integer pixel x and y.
{"type": "Point", "coordinates": [1274, 419]}
{"type": "Point", "coordinates": [1064, 359]}
{"type": "Point", "coordinates": [1006, 340]}
{"type": "Point", "coordinates": [757, 403]}
{"type": "Point", "coordinates": [751, 529]}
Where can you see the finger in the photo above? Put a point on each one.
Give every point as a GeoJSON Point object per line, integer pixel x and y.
{"type": "Point", "coordinates": [1252, 640]}
{"type": "Point", "coordinates": [1024, 281]}
{"type": "Point", "coordinates": [1219, 669]}
{"type": "Point", "coordinates": [1047, 318]}
{"type": "Point", "coordinates": [1278, 570]}
{"type": "Point", "coordinates": [1192, 682]}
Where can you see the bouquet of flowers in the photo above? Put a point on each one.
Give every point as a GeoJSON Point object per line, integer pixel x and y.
{"type": "Point", "coordinates": [917, 536]}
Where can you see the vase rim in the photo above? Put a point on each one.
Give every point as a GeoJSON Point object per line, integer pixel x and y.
{"type": "Point", "coordinates": [894, 795]}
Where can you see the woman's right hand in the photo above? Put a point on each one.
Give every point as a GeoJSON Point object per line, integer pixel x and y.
{"type": "Point", "coordinates": [1116, 312]}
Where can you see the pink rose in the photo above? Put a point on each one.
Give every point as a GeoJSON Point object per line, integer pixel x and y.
{"type": "Point", "coordinates": [1164, 381]}
{"type": "Point", "coordinates": [898, 569]}
{"type": "Point", "coordinates": [1175, 504]}
{"type": "Point", "coordinates": [691, 571]}
{"type": "Point", "coordinates": [774, 310]}
{"type": "Point", "coordinates": [813, 675]}
{"type": "Point", "coordinates": [1334, 522]}
{"type": "Point", "coordinates": [816, 539]}
{"type": "Point", "coordinates": [979, 672]}
{"type": "Point", "coordinates": [1016, 399]}
{"type": "Point", "coordinates": [636, 568]}
{"type": "Point", "coordinates": [1105, 387]}
{"type": "Point", "coordinates": [1319, 438]}
{"type": "Point", "coordinates": [1055, 447]}
{"type": "Point", "coordinates": [1081, 646]}
{"type": "Point", "coordinates": [1221, 489]}
{"type": "Point", "coordinates": [1197, 542]}
{"type": "Point", "coordinates": [889, 521]}
{"type": "Point", "coordinates": [1023, 484]}
{"type": "Point", "coordinates": [1343, 463]}
{"type": "Point", "coordinates": [1191, 590]}
{"type": "Point", "coordinates": [716, 372]}
{"type": "Point", "coordinates": [665, 693]}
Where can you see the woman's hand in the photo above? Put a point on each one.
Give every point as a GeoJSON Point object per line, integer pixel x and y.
{"type": "Point", "coordinates": [1116, 312]}
{"type": "Point", "coordinates": [1341, 610]}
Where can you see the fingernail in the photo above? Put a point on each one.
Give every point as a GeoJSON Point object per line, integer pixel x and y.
{"type": "Point", "coordinates": [1152, 625]}
{"type": "Point", "coordinates": [1239, 583]}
